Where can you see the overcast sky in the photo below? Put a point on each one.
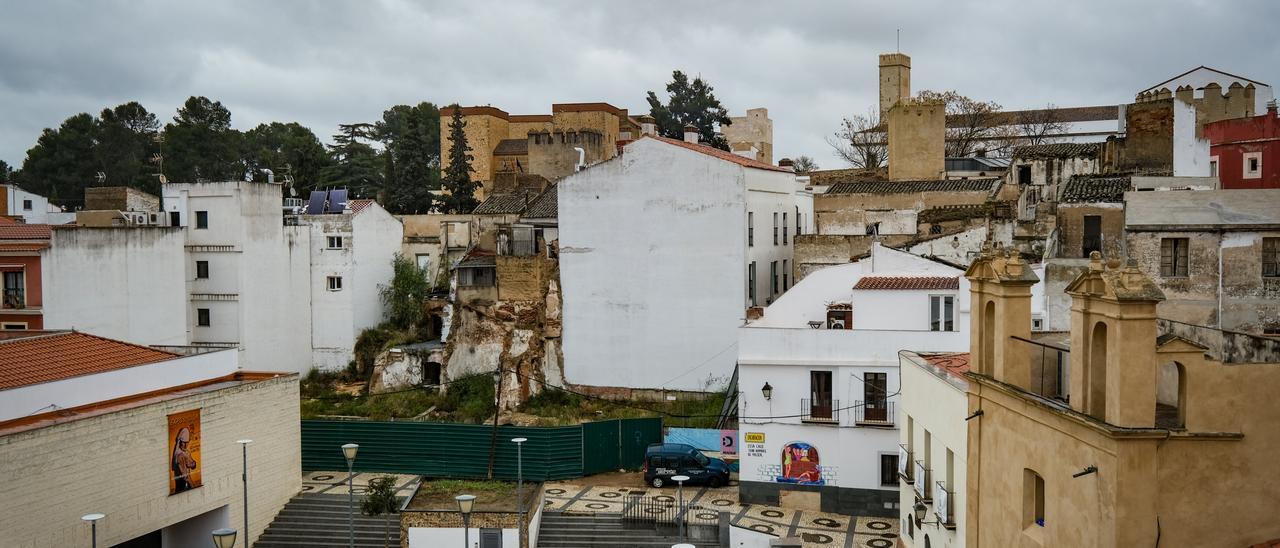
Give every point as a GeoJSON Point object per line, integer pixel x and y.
{"type": "Point", "coordinates": [325, 63]}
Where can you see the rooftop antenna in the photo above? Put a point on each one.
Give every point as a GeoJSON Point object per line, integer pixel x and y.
{"type": "Point", "coordinates": [899, 40]}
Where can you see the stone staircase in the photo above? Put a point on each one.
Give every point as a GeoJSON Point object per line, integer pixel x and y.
{"type": "Point", "coordinates": [320, 521]}
{"type": "Point", "coordinates": [602, 530]}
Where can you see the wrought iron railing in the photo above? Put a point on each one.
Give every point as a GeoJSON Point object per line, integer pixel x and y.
{"type": "Point", "coordinates": [873, 412]}
{"type": "Point", "coordinates": [14, 298]}
{"type": "Point", "coordinates": [904, 464]}
{"type": "Point", "coordinates": [822, 410]}
{"type": "Point", "coordinates": [942, 503]}
{"type": "Point", "coordinates": [663, 513]}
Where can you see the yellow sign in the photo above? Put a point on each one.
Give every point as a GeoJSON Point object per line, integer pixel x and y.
{"type": "Point", "coordinates": [755, 437]}
{"type": "Point", "coordinates": [184, 451]}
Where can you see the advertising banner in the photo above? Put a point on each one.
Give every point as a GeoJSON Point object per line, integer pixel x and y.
{"type": "Point", "coordinates": [184, 451]}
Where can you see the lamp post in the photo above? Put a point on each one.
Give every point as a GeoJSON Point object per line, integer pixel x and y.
{"type": "Point", "coordinates": [520, 485]}
{"type": "Point", "coordinates": [465, 502]}
{"type": "Point", "coordinates": [244, 478]}
{"type": "Point", "coordinates": [225, 538]}
{"type": "Point", "coordinates": [93, 527]}
{"type": "Point", "coordinates": [680, 508]}
{"type": "Point", "coordinates": [349, 451]}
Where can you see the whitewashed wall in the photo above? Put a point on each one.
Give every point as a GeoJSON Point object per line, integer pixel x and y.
{"type": "Point", "coordinates": [770, 192]}
{"type": "Point", "coordinates": [939, 405]}
{"type": "Point", "coordinates": [120, 283]}
{"type": "Point", "coordinates": [652, 262]}
{"type": "Point", "coordinates": [1190, 152]}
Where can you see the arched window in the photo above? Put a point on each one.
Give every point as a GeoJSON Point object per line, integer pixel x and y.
{"type": "Point", "coordinates": [1171, 396]}
{"type": "Point", "coordinates": [1032, 499]}
{"type": "Point", "coordinates": [926, 542]}
{"type": "Point", "coordinates": [1096, 374]}
{"type": "Point", "coordinates": [988, 338]}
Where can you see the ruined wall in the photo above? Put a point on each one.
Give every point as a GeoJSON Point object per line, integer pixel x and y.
{"type": "Point", "coordinates": [120, 198]}
{"type": "Point", "coordinates": [815, 251]}
{"type": "Point", "coordinates": [1070, 223]}
{"type": "Point", "coordinates": [552, 155]}
{"type": "Point", "coordinates": [1148, 142]}
{"type": "Point", "coordinates": [1193, 298]}
{"type": "Point", "coordinates": [522, 278]}
{"type": "Point", "coordinates": [1250, 303]}
{"type": "Point", "coordinates": [847, 214]}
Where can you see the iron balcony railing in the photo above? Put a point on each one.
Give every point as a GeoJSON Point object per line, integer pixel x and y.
{"type": "Point", "coordinates": [904, 464]}
{"type": "Point", "coordinates": [822, 410]}
{"type": "Point", "coordinates": [873, 412]}
{"type": "Point", "coordinates": [942, 503]}
{"type": "Point", "coordinates": [13, 298]}
{"type": "Point", "coordinates": [922, 482]}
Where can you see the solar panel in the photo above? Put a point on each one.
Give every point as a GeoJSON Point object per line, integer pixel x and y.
{"type": "Point", "coordinates": [315, 204]}
{"type": "Point", "coordinates": [337, 200]}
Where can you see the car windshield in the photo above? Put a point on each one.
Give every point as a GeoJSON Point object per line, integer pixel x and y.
{"type": "Point", "coordinates": [702, 459]}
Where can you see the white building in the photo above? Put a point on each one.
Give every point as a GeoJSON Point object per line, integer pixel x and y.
{"type": "Point", "coordinates": [32, 208]}
{"type": "Point", "coordinates": [351, 259]}
{"type": "Point", "coordinates": [819, 382]}
{"type": "Point", "coordinates": [934, 446]}
{"type": "Point", "coordinates": [148, 438]}
{"type": "Point", "coordinates": [124, 283]}
{"type": "Point", "coordinates": [247, 274]}
{"type": "Point", "coordinates": [661, 251]}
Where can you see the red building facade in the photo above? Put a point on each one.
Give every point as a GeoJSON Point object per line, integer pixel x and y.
{"type": "Point", "coordinates": [21, 300]}
{"type": "Point", "coordinates": [1245, 152]}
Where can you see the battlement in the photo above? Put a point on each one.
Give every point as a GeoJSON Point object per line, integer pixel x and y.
{"type": "Point", "coordinates": [1238, 101]}
{"type": "Point", "coordinates": [895, 59]}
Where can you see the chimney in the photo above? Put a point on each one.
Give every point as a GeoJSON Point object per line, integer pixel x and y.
{"type": "Point", "coordinates": [786, 162]}
{"type": "Point", "coordinates": [648, 125]}
{"type": "Point", "coordinates": [1271, 108]}
{"type": "Point", "coordinates": [690, 133]}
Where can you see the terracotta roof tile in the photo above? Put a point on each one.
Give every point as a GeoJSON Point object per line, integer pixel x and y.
{"type": "Point", "coordinates": [45, 357]}
{"type": "Point", "coordinates": [507, 203]}
{"type": "Point", "coordinates": [545, 206]}
{"type": "Point", "coordinates": [902, 187]}
{"type": "Point", "coordinates": [955, 364]}
{"type": "Point", "coordinates": [1057, 150]}
{"type": "Point", "coordinates": [720, 154]}
{"type": "Point", "coordinates": [908, 282]}
{"type": "Point", "coordinates": [22, 246]}
{"type": "Point", "coordinates": [24, 232]}
{"type": "Point", "coordinates": [1092, 189]}
{"type": "Point", "coordinates": [357, 206]}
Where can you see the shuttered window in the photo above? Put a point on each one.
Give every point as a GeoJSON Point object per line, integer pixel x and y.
{"type": "Point", "coordinates": [1271, 257]}
{"type": "Point", "coordinates": [1173, 257]}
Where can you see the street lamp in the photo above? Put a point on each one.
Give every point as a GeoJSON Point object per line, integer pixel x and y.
{"type": "Point", "coordinates": [93, 527]}
{"type": "Point", "coordinates": [244, 478]}
{"type": "Point", "coordinates": [680, 508]}
{"type": "Point", "coordinates": [520, 484]}
{"type": "Point", "coordinates": [349, 451]}
{"type": "Point", "coordinates": [465, 502]}
{"type": "Point", "coordinates": [767, 391]}
{"type": "Point", "coordinates": [225, 538]}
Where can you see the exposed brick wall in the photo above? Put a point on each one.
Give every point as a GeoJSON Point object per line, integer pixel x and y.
{"type": "Point", "coordinates": [117, 464]}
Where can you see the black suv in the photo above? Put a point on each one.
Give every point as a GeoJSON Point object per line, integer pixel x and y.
{"type": "Point", "coordinates": [664, 460]}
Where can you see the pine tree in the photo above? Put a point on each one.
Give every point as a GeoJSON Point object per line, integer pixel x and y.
{"type": "Point", "coordinates": [457, 183]}
{"type": "Point", "coordinates": [690, 103]}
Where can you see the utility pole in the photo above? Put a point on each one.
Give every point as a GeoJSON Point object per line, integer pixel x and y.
{"type": "Point", "coordinates": [497, 410]}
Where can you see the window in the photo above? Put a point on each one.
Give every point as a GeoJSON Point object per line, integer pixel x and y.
{"type": "Point", "coordinates": [784, 228]}
{"type": "Point", "coordinates": [202, 269]}
{"type": "Point", "coordinates": [26, 205]}
{"type": "Point", "coordinates": [335, 283]}
{"type": "Point", "coordinates": [1271, 257]}
{"type": "Point", "coordinates": [786, 276]}
{"type": "Point", "coordinates": [798, 220]}
{"type": "Point", "coordinates": [1092, 240]}
{"type": "Point", "coordinates": [477, 277]}
{"type": "Point", "coordinates": [1032, 499]}
{"type": "Point", "coordinates": [202, 219]}
{"type": "Point", "coordinates": [875, 397]}
{"type": "Point", "coordinates": [424, 262]}
{"type": "Point", "coordinates": [751, 229]}
{"type": "Point", "coordinates": [1252, 165]}
{"type": "Point", "coordinates": [1213, 166]}
{"type": "Point", "coordinates": [13, 326]}
{"type": "Point", "coordinates": [942, 313]}
{"type": "Point", "coordinates": [202, 317]}
{"type": "Point", "coordinates": [751, 283]}
{"type": "Point", "coordinates": [773, 277]}
{"type": "Point", "coordinates": [14, 290]}
{"type": "Point", "coordinates": [775, 228]}
{"type": "Point", "coordinates": [1024, 175]}
{"type": "Point", "coordinates": [820, 404]}
{"type": "Point", "coordinates": [334, 242]}
{"type": "Point", "coordinates": [175, 218]}
{"type": "Point", "coordinates": [1173, 257]}
{"type": "Point", "coordinates": [888, 469]}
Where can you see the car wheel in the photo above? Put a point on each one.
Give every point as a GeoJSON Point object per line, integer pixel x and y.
{"type": "Point", "coordinates": [714, 482]}
{"type": "Point", "coordinates": [656, 483]}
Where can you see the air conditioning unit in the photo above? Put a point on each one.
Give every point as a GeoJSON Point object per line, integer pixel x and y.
{"type": "Point", "coordinates": [835, 323]}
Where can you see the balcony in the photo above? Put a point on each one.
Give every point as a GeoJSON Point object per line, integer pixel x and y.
{"type": "Point", "coordinates": [942, 505]}
{"type": "Point", "coordinates": [922, 481]}
{"type": "Point", "coordinates": [904, 464]}
{"type": "Point", "coordinates": [820, 411]}
{"type": "Point", "coordinates": [873, 413]}
{"type": "Point", "coordinates": [14, 298]}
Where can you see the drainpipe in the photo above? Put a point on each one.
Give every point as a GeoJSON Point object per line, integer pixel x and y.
{"type": "Point", "coordinates": [582, 159]}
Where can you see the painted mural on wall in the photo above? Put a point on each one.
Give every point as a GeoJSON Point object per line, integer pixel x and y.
{"type": "Point", "coordinates": [184, 451]}
{"type": "Point", "coordinates": [800, 464]}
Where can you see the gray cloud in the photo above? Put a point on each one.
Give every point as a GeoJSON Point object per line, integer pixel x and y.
{"type": "Point", "coordinates": [325, 63]}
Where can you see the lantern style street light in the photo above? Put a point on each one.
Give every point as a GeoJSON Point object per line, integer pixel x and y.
{"type": "Point", "coordinates": [93, 527]}
{"type": "Point", "coordinates": [349, 452]}
{"type": "Point", "coordinates": [465, 503]}
{"type": "Point", "coordinates": [767, 391]}
{"type": "Point", "coordinates": [224, 538]}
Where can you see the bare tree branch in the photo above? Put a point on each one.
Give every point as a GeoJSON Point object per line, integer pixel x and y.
{"type": "Point", "coordinates": [804, 164]}
{"type": "Point", "coordinates": [1040, 127]}
{"type": "Point", "coordinates": [861, 140]}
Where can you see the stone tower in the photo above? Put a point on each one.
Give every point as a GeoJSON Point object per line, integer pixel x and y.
{"type": "Point", "coordinates": [895, 80]}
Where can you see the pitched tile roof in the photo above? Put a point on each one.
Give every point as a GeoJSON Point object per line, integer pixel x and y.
{"type": "Point", "coordinates": [357, 206]}
{"type": "Point", "coordinates": [1091, 189]}
{"type": "Point", "coordinates": [45, 357]}
{"type": "Point", "coordinates": [1057, 150]}
{"type": "Point", "coordinates": [720, 154]}
{"type": "Point", "coordinates": [545, 206]}
{"type": "Point", "coordinates": [22, 246]}
{"type": "Point", "coordinates": [507, 203]}
{"type": "Point", "coordinates": [511, 147]}
{"type": "Point", "coordinates": [902, 187]}
{"type": "Point", "coordinates": [908, 282]}
{"type": "Point", "coordinates": [955, 364]}
{"type": "Point", "coordinates": [825, 177]}
{"type": "Point", "coordinates": [24, 232]}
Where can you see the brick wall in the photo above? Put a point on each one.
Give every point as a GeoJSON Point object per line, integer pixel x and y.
{"type": "Point", "coordinates": [117, 464]}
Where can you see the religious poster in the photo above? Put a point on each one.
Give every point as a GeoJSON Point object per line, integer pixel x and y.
{"type": "Point", "coordinates": [184, 451]}
{"type": "Point", "coordinates": [800, 464]}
